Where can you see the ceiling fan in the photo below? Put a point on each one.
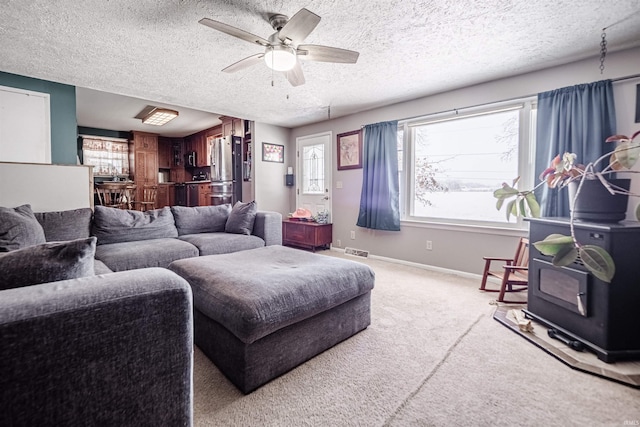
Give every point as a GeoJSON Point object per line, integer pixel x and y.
{"type": "Point", "coordinates": [284, 48]}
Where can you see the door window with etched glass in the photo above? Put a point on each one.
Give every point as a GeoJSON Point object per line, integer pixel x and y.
{"type": "Point", "coordinates": [313, 169]}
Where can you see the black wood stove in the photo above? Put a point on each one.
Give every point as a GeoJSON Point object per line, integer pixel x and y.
{"type": "Point", "coordinates": [581, 309]}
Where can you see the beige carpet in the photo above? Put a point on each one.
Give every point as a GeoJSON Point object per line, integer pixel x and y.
{"type": "Point", "coordinates": [434, 356]}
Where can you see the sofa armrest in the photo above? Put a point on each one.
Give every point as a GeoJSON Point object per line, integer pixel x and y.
{"type": "Point", "coordinates": [268, 226]}
{"type": "Point", "coordinates": [115, 349]}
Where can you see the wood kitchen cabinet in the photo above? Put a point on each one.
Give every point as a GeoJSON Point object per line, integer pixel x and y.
{"type": "Point", "coordinates": [202, 149]}
{"type": "Point", "coordinates": [232, 126]}
{"type": "Point", "coordinates": [204, 194]}
{"type": "Point", "coordinates": [165, 195]}
{"type": "Point", "coordinates": [165, 153]}
{"type": "Point", "coordinates": [145, 161]}
{"type": "Point", "coordinates": [304, 234]}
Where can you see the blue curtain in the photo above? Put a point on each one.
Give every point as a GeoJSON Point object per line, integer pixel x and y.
{"type": "Point", "coordinates": [576, 119]}
{"type": "Point", "coordinates": [379, 200]}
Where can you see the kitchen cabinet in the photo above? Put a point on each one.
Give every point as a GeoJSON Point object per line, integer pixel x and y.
{"type": "Point", "coordinates": [304, 234]}
{"type": "Point", "coordinates": [232, 126]}
{"type": "Point", "coordinates": [165, 195]}
{"type": "Point", "coordinates": [165, 153]}
{"type": "Point", "coordinates": [202, 149]}
{"type": "Point", "coordinates": [145, 161]}
{"type": "Point", "coordinates": [204, 194]}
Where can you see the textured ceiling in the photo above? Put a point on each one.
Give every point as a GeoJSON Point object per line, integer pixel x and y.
{"type": "Point", "coordinates": [155, 50]}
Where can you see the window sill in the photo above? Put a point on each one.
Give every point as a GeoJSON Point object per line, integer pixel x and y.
{"type": "Point", "coordinates": [519, 230]}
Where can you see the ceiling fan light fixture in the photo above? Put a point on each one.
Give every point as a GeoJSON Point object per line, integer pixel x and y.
{"type": "Point", "coordinates": [280, 58]}
{"type": "Point", "coordinates": [159, 116]}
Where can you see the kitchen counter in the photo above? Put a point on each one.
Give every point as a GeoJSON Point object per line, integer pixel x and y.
{"type": "Point", "coordinates": [208, 181]}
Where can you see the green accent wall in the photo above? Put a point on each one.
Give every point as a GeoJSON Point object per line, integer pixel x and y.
{"type": "Point", "coordinates": [64, 126]}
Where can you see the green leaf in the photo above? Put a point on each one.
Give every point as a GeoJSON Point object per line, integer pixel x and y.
{"type": "Point", "coordinates": [510, 207]}
{"type": "Point", "coordinates": [534, 207]}
{"type": "Point", "coordinates": [521, 209]}
{"type": "Point", "coordinates": [627, 153]}
{"type": "Point", "coordinates": [565, 256]}
{"type": "Point", "coordinates": [499, 203]}
{"type": "Point", "coordinates": [505, 192]}
{"type": "Point", "coordinates": [553, 244]}
{"type": "Point", "coordinates": [598, 261]}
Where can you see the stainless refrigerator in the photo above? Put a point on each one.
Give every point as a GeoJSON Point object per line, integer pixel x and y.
{"type": "Point", "coordinates": [226, 170]}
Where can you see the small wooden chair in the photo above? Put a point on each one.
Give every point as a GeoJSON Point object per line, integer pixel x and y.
{"type": "Point", "coordinates": [513, 274]}
{"type": "Point", "coordinates": [113, 196]}
{"type": "Point", "coordinates": [148, 202]}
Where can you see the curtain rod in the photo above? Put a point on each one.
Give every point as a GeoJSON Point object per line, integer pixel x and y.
{"type": "Point", "coordinates": [635, 76]}
{"type": "Point", "coordinates": [619, 79]}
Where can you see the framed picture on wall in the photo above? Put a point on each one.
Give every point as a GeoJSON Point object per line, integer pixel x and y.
{"type": "Point", "coordinates": [350, 150]}
{"type": "Point", "coordinates": [272, 152]}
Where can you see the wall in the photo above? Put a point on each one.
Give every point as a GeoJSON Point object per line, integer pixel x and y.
{"type": "Point", "coordinates": [270, 190]}
{"type": "Point", "coordinates": [457, 248]}
{"type": "Point", "coordinates": [625, 97]}
{"type": "Point", "coordinates": [63, 114]}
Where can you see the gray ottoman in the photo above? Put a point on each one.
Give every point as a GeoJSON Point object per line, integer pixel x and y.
{"type": "Point", "coordinates": [262, 312]}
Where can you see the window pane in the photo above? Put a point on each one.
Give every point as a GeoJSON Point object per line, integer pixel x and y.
{"type": "Point", "coordinates": [459, 163]}
{"type": "Point", "coordinates": [313, 169]}
{"type": "Point", "coordinates": [108, 157]}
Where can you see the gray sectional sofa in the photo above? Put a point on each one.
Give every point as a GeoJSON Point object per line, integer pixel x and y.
{"type": "Point", "coordinates": [92, 332]}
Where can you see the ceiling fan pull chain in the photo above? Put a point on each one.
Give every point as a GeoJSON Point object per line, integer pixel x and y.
{"type": "Point", "coordinates": [603, 50]}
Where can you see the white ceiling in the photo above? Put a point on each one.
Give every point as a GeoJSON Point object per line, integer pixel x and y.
{"type": "Point", "coordinates": [155, 52]}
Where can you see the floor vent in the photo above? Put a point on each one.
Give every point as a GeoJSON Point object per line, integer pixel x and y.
{"type": "Point", "coordinates": [356, 252]}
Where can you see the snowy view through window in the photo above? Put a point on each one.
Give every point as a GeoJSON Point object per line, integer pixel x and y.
{"type": "Point", "coordinates": [459, 163]}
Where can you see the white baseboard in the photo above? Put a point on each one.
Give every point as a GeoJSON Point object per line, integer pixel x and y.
{"type": "Point", "coordinates": [423, 266]}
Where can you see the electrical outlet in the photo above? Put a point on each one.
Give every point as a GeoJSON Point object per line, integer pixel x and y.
{"type": "Point", "coordinates": [339, 243]}
{"type": "Point", "coordinates": [353, 235]}
{"type": "Point", "coordinates": [429, 245]}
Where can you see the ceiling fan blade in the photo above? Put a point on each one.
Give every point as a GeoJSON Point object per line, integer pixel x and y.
{"type": "Point", "coordinates": [298, 27]}
{"type": "Point", "coordinates": [244, 63]}
{"type": "Point", "coordinates": [295, 75]}
{"type": "Point", "coordinates": [314, 52]}
{"type": "Point", "coordinates": [233, 31]}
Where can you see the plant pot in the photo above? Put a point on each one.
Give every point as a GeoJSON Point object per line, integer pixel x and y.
{"type": "Point", "coordinates": [596, 204]}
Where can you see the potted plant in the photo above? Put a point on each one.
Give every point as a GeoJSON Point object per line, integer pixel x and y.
{"type": "Point", "coordinates": [565, 172]}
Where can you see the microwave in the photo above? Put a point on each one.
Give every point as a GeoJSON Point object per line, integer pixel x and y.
{"type": "Point", "coordinates": [191, 160]}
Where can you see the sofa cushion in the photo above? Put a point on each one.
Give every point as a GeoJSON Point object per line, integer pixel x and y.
{"type": "Point", "coordinates": [257, 292]}
{"type": "Point", "coordinates": [47, 262]}
{"type": "Point", "coordinates": [200, 219]}
{"type": "Point", "coordinates": [59, 226]}
{"type": "Point", "coordinates": [112, 225]}
{"type": "Point", "coordinates": [222, 243]}
{"type": "Point", "coordinates": [241, 218]}
{"type": "Point", "coordinates": [144, 253]}
{"type": "Point", "coordinates": [19, 228]}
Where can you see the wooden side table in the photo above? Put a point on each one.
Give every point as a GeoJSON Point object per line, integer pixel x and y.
{"type": "Point", "coordinates": [310, 235]}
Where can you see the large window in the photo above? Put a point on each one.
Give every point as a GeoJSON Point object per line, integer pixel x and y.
{"type": "Point", "coordinates": [108, 156]}
{"type": "Point", "coordinates": [452, 163]}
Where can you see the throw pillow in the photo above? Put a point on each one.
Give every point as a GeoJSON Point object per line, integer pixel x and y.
{"type": "Point", "coordinates": [48, 262]}
{"type": "Point", "coordinates": [113, 225]}
{"type": "Point", "coordinates": [241, 218]}
{"type": "Point", "coordinates": [200, 219]}
{"type": "Point", "coordinates": [59, 226]}
{"type": "Point", "coordinates": [19, 228]}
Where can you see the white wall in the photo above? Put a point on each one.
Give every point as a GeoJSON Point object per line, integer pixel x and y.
{"type": "Point", "coordinates": [268, 180]}
{"type": "Point", "coordinates": [462, 248]}
{"type": "Point", "coordinates": [46, 187]}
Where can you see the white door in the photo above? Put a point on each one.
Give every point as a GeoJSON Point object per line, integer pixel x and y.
{"type": "Point", "coordinates": [313, 186]}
